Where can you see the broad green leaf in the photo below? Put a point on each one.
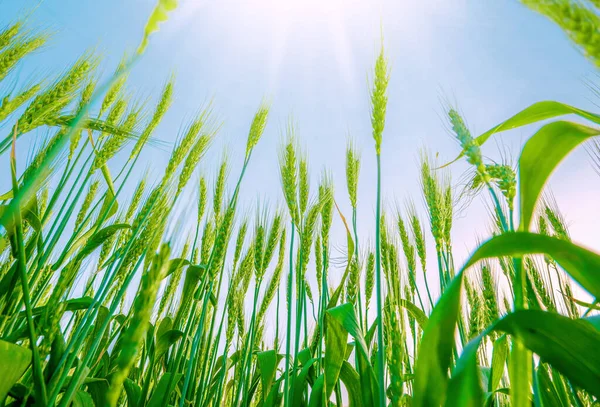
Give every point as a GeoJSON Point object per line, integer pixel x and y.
{"type": "Point", "coordinates": [544, 392]}
{"type": "Point", "coordinates": [14, 361]}
{"type": "Point", "coordinates": [100, 237]}
{"type": "Point", "coordinates": [541, 155]}
{"type": "Point", "coordinates": [31, 217]}
{"type": "Point", "coordinates": [82, 399]}
{"type": "Point", "coordinates": [97, 389]}
{"type": "Point", "coordinates": [581, 264]}
{"type": "Point", "coordinates": [57, 351]}
{"type": "Point", "coordinates": [371, 333]}
{"type": "Point", "coordinates": [569, 346]}
{"type": "Point", "coordinates": [345, 316]}
{"type": "Point", "coordinates": [133, 392]}
{"type": "Point", "coordinates": [166, 385]}
{"type": "Point", "coordinates": [316, 393]}
{"type": "Point", "coordinates": [267, 362]}
{"type": "Point", "coordinates": [110, 204]}
{"type": "Point", "coordinates": [336, 337]}
{"type": "Point", "coordinates": [464, 388]}
{"type": "Point", "coordinates": [535, 113]}
{"type": "Point", "coordinates": [165, 341]}
{"type": "Point", "coordinates": [159, 15]}
{"type": "Point", "coordinates": [351, 381]}
{"type": "Point", "coordinates": [499, 354]}
{"type": "Point", "coordinates": [300, 383]}
{"type": "Point", "coordinates": [175, 264]}
{"type": "Point", "coordinates": [435, 351]}
{"type": "Point", "coordinates": [165, 325]}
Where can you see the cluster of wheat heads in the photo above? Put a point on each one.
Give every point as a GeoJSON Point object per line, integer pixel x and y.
{"type": "Point", "coordinates": [102, 304]}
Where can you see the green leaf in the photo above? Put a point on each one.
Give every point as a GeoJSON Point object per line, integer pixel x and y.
{"type": "Point", "coordinates": [74, 304]}
{"type": "Point", "coordinates": [133, 391]}
{"type": "Point", "coordinates": [351, 381]}
{"type": "Point", "coordinates": [300, 383]}
{"type": "Point", "coordinates": [82, 399]}
{"type": "Point", "coordinates": [165, 341]}
{"type": "Point", "coordinates": [415, 311]}
{"type": "Point", "coordinates": [316, 394]}
{"type": "Point", "coordinates": [267, 365]}
{"type": "Point", "coordinates": [345, 315]}
{"type": "Point", "coordinates": [435, 351]}
{"type": "Point", "coordinates": [97, 388]}
{"type": "Point", "coordinates": [499, 354]}
{"type": "Point", "coordinates": [159, 14]}
{"type": "Point", "coordinates": [541, 155]}
{"type": "Point", "coordinates": [581, 264]}
{"type": "Point", "coordinates": [88, 242]}
{"type": "Point", "coordinates": [535, 113]}
{"type": "Point", "coordinates": [14, 361]}
{"type": "Point", "coordinates": [464, 388]}
{"type": "Point", "coordinates": [165, 325]}
{"type": "Point", "coordinates": [163, 390]}
{"type": "Point", "coordinates": [544, 392]}
{"type": "Point", "coordinates": [569, 346]}
{"type": "Point", "coordinates": [175, 264]}
{"type": "Point", "coordinates": [336, 337]}
{"type": "Point", "coordinates": [110, 204]}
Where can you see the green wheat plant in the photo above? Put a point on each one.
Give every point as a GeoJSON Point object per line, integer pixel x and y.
{"type": "Point", "coordinates": [109, 296]}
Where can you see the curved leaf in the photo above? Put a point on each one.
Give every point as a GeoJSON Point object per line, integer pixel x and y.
{"type": "Point", "coordinates": [499, 354]}
{"type": "Point", "coordinates": [465, 386]}
{"type": "Point", "coordinates": [267, 362]}
{"type": "Point", "coordinates": [316, 394]}
{"type": "Point", "coordinates": [166, 340]}
{"type": "Point", "coordinates": [166, 385]}
{"type": "Point", "coordinates": [351, 381]}
{"type": "Point", "coordinates": [415, 311]}
{"type": "Point", "coordinates": [133, 392]}
{"type": "Point", "coordinates": [537, 112]}
{"type": "Point", "coordinates": [541, 155]}
{"type": "Point", "coordinates": [435, 351]}
{"type": "Point", "coordinates": [14, 361]}
{"type": "Point", "coordinates": [336, 338]}
{"type": "Point", "coordinates": [570, 346]}
{"type": "Point", "coordinates": [581, 264]}
{"type": "Point", "coordinates": [301, 382]}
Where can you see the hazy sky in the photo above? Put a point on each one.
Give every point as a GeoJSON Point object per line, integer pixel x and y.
{"type": "Point", "coordinates": [312, 59]}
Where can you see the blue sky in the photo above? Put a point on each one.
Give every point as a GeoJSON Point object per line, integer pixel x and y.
{"type": "Point", "coordinates": [312, 59]}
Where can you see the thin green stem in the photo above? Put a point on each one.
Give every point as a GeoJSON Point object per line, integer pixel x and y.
{"type": "Point", "coordinates": [379, 294]}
